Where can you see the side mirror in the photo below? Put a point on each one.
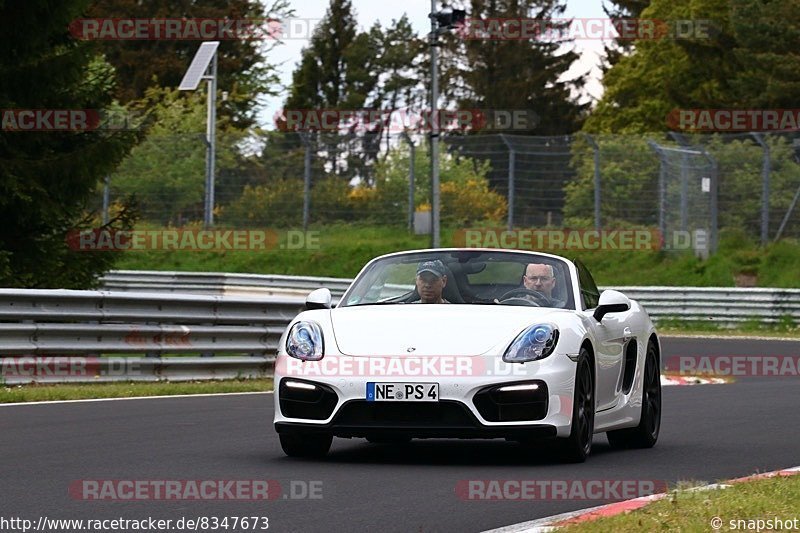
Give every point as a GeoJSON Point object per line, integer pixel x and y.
{"type": "Point", "coordinates": [319, 299]}
{"type": "Point", "coordinates": [611, 302]}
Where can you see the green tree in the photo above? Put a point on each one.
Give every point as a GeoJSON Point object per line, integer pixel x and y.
{"type": "Point", "coordinates": [766, 35]}
{"type": "Point", "coordinates": [343, 69]}
{"type": "Point", "coordinates": [166, 172]}
{"type": "Point", "coordinates": [244, 69]}
{"type": "Point", "coordinates": [629, 183]}
{"type": "Point", "coordinates": [522, 74]}
{"type": "Point", "coordinates": [47, 178]}
{"type": "Point", "coordinates": [619, 11]}
{"type": "Point", "coordinates": [466, 197]}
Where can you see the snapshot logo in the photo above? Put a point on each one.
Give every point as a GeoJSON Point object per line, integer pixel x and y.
{"type": "Point", "coordinates": [193, 489]}
{"type": "Point", "coordinates": [556, 489]}
{"type": "Point", "coordinates": [110, 240]}
{"type": "Point", "coordinates": [191, 29]}
{"type": "Point", "coordinates": [733, 120]}
{"type": "Point", "coordinates": [399, 367]}
{"type": "Point", "coordinates": [402, 120]}
{"type": "Point", "coordinates": [559, 239]}
{"type": "Point", "coordinates": [556, 30]}
{"type": "Point", "coordinates": [736, 365]}
{"type": "Point", "coordinates": [40, 368]}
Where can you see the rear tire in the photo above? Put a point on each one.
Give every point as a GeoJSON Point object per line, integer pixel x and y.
{"type": "Point", "coordinates": [645, 435]}
{"type": "Point", "coordinates": [305, 444]}
{"type": "Point", "coordinates": [576, 447]}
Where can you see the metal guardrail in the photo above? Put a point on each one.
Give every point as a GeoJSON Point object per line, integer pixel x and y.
{"type": "Point", "coordinates": [724, 305]}
{"type": "Point", "coordinates": [41, 323]}
{"type": "Point", "coordinates": [218, 283]}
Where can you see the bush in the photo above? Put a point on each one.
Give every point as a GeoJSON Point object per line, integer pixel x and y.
{"type": "Point", "coordinates": [279, 204]}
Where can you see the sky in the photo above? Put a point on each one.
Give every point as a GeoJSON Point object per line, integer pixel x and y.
{"type": "Point", "coordinates": [287, 55]}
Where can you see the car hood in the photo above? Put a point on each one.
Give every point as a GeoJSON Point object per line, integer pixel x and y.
{"type": "Point", "coordinates": [432, 330]}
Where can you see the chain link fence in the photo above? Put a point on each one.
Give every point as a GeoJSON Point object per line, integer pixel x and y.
{"type": "Point", "coordinates": [744, 182]}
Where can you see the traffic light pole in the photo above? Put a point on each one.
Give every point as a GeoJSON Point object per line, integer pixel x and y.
{"type": "Point", "coordinates": [435, 189]}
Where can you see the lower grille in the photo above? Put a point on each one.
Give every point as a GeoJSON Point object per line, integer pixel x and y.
{"type": "Point", "coordinates": [443, 414]}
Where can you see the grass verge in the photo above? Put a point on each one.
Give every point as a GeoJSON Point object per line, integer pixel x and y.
{"type": "Point", "coordinates": [40, 392]}
{"type": "Point", "coordinates": [340, 250]}
{"type": "Point", "coordinates": [749, 502]}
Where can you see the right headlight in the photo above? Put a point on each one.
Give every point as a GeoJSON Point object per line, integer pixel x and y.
{"type": "Point", "coordinates": [304, 341]}
{"type": "Point", "coordinates": [536, 342]}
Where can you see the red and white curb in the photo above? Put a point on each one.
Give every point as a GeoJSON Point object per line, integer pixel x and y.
{"type": "Point", "coordinates": [552, 523]}
{"type": "Point", "coordinates": [690, 380]}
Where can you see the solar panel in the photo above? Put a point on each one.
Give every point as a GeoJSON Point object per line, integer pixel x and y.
{"type": "Point", "coordinates": [199, 65]}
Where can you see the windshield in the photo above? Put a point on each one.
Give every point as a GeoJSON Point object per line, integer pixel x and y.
{"type": "Point", "coordinates": [464, 277]}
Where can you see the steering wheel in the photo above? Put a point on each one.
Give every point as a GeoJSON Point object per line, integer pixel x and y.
{"type": "Point", "coordinates": [518, 297]}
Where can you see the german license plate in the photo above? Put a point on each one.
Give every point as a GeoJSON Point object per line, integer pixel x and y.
{"type": "Point", "coordinates": [402, 392]}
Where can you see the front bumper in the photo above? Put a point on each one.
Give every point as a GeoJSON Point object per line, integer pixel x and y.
{"type": "Point", "coordinates": [468, 406]}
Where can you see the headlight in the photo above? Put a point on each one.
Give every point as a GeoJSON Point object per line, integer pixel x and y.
{"type": "Point", "coordinates": [305, 341]}
{"type": "Point", "coordinates": [536, 342]}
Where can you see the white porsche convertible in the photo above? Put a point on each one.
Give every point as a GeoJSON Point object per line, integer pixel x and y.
{"type": "Point", "coordinates": [511, 344]}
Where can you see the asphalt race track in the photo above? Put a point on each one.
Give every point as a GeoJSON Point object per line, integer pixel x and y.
{"type": "Point", "coordinates": [708, 433]}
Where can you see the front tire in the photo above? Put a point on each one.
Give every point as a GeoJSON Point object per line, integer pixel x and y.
{"type": "Point", "coordinates": [578, 445]}
{"type": "Point", "coordinates": [646, 433]}
{"type": "Point", "coordinates": [305, 444]}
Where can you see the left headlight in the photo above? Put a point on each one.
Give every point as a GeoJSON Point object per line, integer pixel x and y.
{"type": "Point", "coordinates": [536, 342]}
{"type": "Point", "coordinates": [304, 341]}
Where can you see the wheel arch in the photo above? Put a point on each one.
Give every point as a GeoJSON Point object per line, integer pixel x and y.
{"type": "Point", "coordinates": [653, 338]}
{"type": "Point", "coordinates": [592, 360]}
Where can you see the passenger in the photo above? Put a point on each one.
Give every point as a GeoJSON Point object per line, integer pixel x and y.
{"type": "Point", "coordinates": [431, 280]}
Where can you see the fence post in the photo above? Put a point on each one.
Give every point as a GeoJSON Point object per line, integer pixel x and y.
{"type": "Point", "coordinates": [765, 187]}
{"type": "Point", "coordinates": [412, 147]}
{"type": "Point", "coordinates": [306, 180]}
{"type": "Point", "coordinates": [714, 207]}
{"type": "Point", "coordinates": [662, 190]}
{"type": "Point", "coordinates": [106, 198]}
{"type": "Point", "coordinates": [788, 214]}
{"type": "Point", "coordinates": [596, 150]}
{"type": "Point", "coordinates": [511, 171]}
{"type": "Point", "coordinates": [684, 191]}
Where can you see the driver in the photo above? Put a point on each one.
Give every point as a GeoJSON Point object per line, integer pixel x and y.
{"type": "Point", "coordinates": [540, 277]}
{"type": "Point", "coordinates": [431, 280]}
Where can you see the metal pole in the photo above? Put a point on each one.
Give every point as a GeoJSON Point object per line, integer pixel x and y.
{"type": "Point", "coordinates": [596, 150]}
{"type": "Point", "coordinates": [511, 176]}
{"type": "Point", "coordinates": [662, 198]}
{"type": "Point", "coordinates": [788, 214]}
{"type": "Point", "coordinates": [765, 178]}
{"type": "Point", "coordinates": [435, 191]}
{"type": "Point", "coordinates": [511, 171]}
{"type": "Point", "coordinates": [211, 143]}
{"type": "Point", "coordinates": [412, 148]}
{"type": "Point", "coordinates": [306, 183]}
{"type": "Point", "coordinates": [106, 198]}
{"type": "Point", "coordinates": [662, 190]}
{"type": "Point", "coordinates": [714, 207]}
{"type": "Point", "coordinates": [684, 192]}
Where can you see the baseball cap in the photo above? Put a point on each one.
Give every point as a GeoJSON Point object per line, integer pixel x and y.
{"type": "Point", "coordinates": [435, 267]}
